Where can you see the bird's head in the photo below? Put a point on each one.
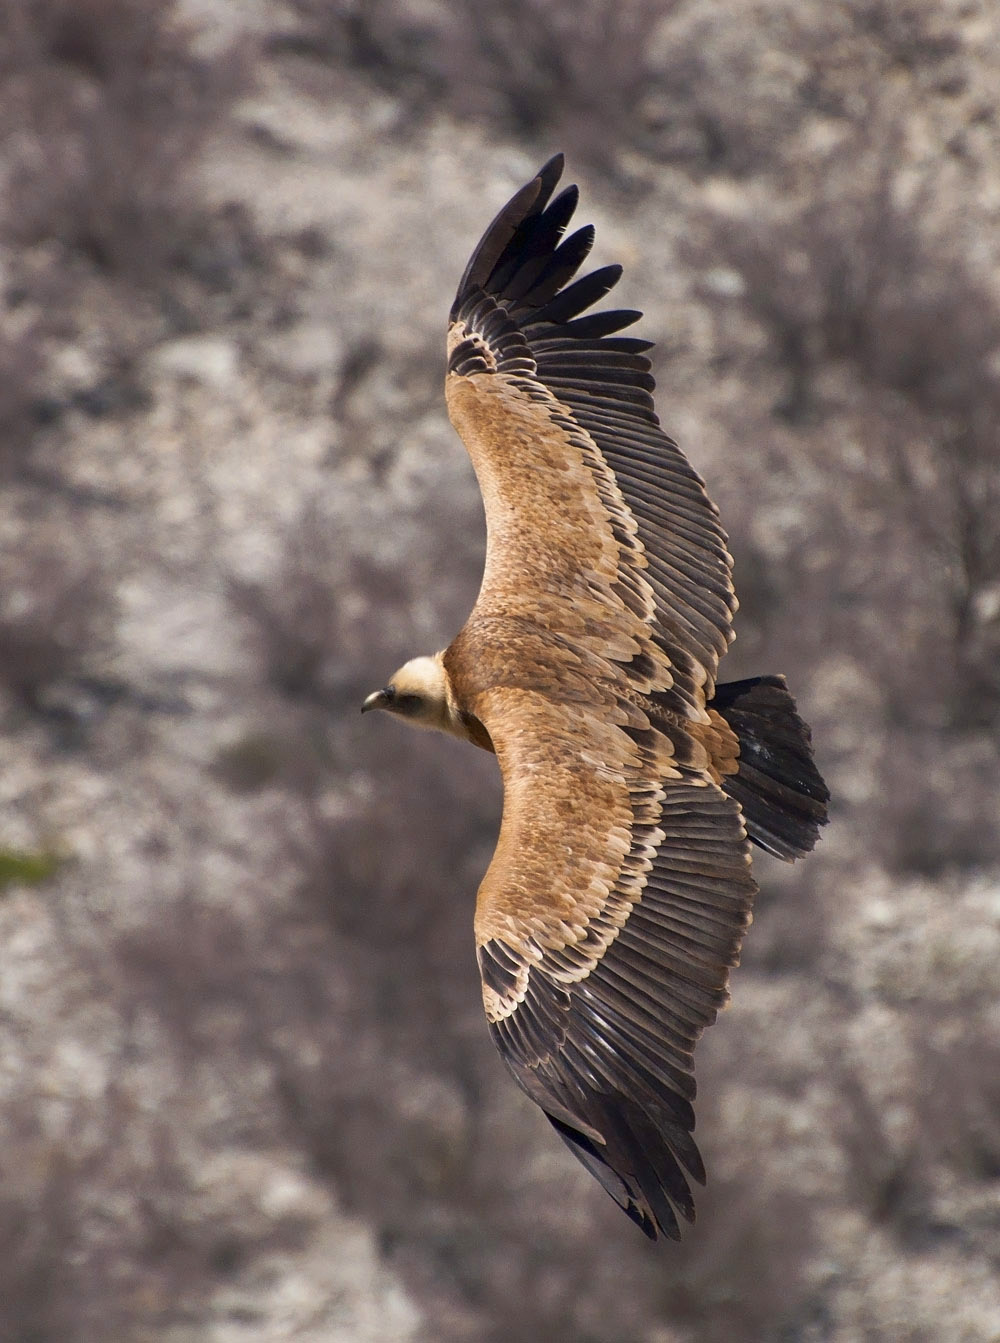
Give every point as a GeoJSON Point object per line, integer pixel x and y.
{"type": "Point", "coordinates": [418, 692]}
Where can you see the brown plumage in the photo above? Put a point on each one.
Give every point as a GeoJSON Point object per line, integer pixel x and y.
{"type": "Point", "coordinates": [620, 889]}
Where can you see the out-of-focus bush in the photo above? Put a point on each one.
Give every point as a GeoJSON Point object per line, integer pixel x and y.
{"type": "Point", "coordinates": [57, 612]}
{"type": "Point", "coordinates": [21, 365]}
{"type": "Point", "coordinates": [107, 108]}
{"type": "Point", "coordinates": [886, 339]}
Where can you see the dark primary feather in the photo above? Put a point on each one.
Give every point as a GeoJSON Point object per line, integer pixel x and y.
{"type": "Point", "coordinates": [502, 238]}
{"type": "Point", "coordinates": [780, 790]}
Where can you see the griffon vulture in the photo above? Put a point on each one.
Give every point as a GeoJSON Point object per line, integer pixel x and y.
{"type": "Point", "coordinates": [620, 890]}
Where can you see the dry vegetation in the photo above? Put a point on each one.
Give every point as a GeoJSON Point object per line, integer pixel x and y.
{"type": "Point", "coordinates": [245, 1086]}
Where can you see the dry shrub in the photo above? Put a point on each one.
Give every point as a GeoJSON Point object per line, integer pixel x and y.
{"type": "Point", "coordinates": [886, 338]}
{"type": "Point", "coordinates": [856, 274]}
{"type": "Point", "coordinates": [741, 1274]}
{"type": "Point", "coordinates": [94, 1241]}
{"type": "Point", "coordinates": [912, 35]}
{"type": "Point", "coordinates": [338, 614]}
{"type": "Point", "coordinates": [959, 1096]}
{"type": "Point", "coordinates": [936, 808]}
{"type": "Point", "coordinates": [56, 614]}
{"type": "Point", "coordinates": [593, 78]}
{"type": "Point", "coordinates": [604, 80]}
{"type": "Point", "coordinates": [902, 1174]}
{"type": "Point", "coordinates": [577, 76]}
{"type": "Point", "coordinates": [21, 364]}
{"type": "Point", "coordinates": [885, 1177]}
{"type": "Point", "coordinates": [107, 108]}
{"type": "Point", "coordinates": [382, 39]}
{"type": "Point", "coordinates": [110, 1226]}
{"type": "Point", "coordinates": [309, 623]}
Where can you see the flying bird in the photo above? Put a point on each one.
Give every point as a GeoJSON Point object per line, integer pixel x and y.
{"type": "Point", "coordinates": [634, 783]}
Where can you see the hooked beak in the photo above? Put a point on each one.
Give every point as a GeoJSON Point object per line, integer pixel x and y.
{"type": "Point", "coordinates": [376, 701]}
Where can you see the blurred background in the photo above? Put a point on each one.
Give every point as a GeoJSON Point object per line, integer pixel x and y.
{"type": "Point", "coordinates": [246, 1089]}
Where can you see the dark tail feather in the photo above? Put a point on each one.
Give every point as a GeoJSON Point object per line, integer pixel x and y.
{"type": "Point", "coordinates": [781, 791]}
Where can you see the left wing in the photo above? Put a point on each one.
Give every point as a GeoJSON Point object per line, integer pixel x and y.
{"type": "Point", "coordinates": [613, 909]}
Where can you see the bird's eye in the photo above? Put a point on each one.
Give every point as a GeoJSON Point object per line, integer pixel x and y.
{"type": "Point", "coordinates": [406, 703]}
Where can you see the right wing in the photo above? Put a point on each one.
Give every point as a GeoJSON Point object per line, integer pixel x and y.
{"type": "Point", "coordinates": [578, 479]}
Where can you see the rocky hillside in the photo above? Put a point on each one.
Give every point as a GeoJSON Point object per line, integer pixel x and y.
{"type": "Point", "coordinates": [246, 1090]}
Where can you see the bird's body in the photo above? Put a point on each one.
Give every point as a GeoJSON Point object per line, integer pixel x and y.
{"type": "Point", "coordinates": [620, 889]}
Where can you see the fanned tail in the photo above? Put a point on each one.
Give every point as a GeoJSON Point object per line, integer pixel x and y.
{"type": "Point", "coordinates": [778, 786]}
